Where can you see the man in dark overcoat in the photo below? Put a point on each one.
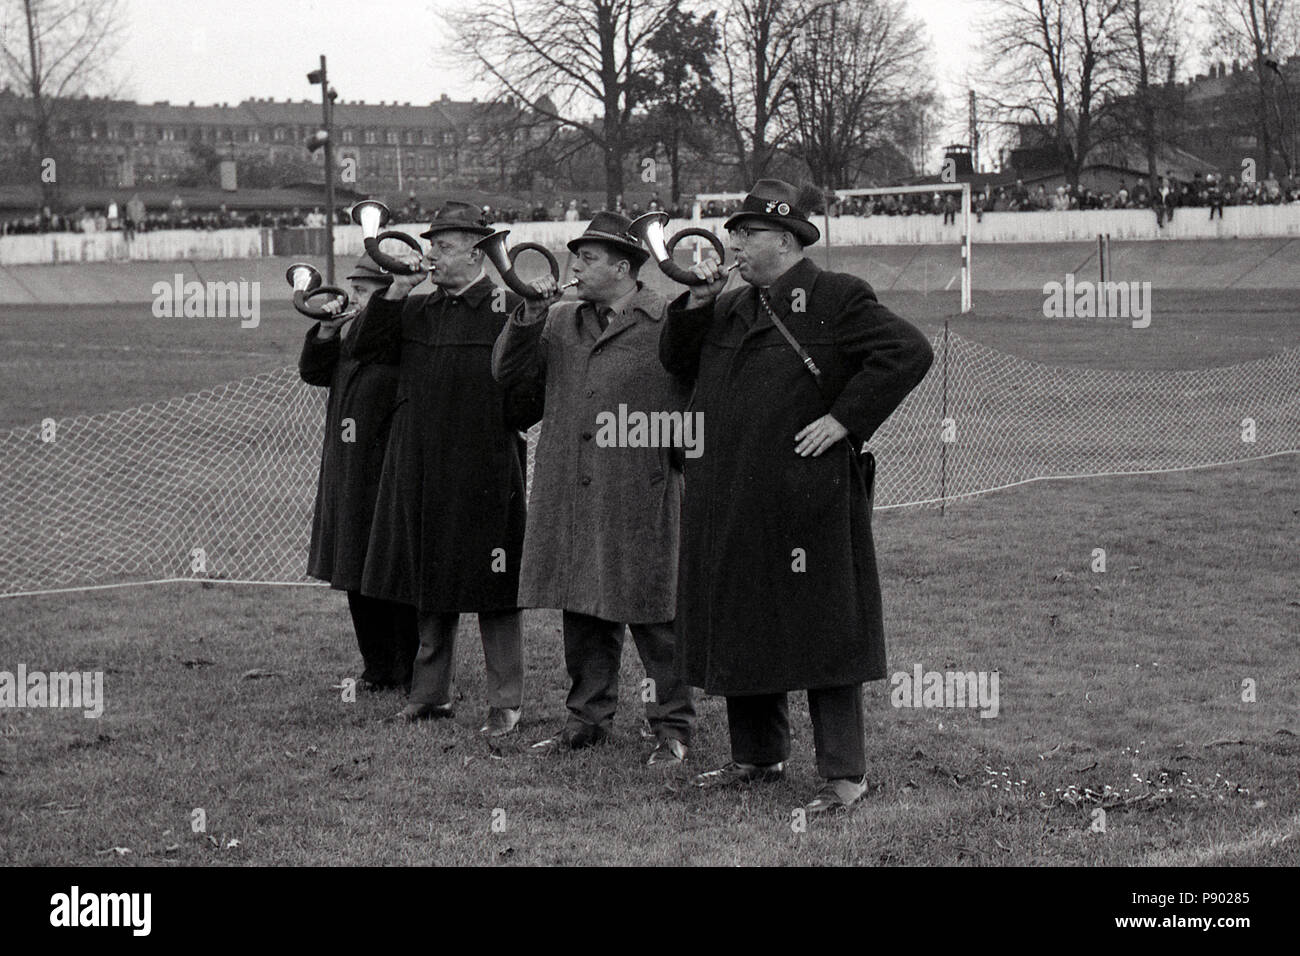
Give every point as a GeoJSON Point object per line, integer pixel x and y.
{"type": "Point", "coordinates": [449, 519]}
{"type": "Point", "coordinates": [604, 513]}
{"type": "Point", "coordinates": [778, 588]}
{"type": "Point", "coordinates": [357, 418]}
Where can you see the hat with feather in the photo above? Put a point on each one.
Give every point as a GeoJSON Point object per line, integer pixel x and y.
{"type": "Point", "coordinates": [783, 205]}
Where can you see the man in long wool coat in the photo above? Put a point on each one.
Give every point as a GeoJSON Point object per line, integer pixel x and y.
{"type": "Point", "coordinates": [449, 520]}
{"type": "Point", "coordinates": [603, 517]}
{"type": "Point", "coordinates": [357, 419]}
{"type": "Point", "coordinates": [778, 588]}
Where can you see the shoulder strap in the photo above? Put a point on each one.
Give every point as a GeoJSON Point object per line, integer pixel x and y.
{"type": "Point", "coordinates": [794, 343]}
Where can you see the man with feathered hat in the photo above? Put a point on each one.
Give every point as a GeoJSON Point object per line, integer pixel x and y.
{"type": "Point", "coordinates": [778, 588]}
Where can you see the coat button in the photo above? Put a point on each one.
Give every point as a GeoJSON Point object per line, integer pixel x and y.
{"type": "Point", "coordinates": [591, 392]}
{"type": "Point", "coordinates": [586, 436]}
{"type": "Point", "coordinates": [586, 479]}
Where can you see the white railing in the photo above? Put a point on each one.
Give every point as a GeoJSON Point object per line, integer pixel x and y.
{"type": "Point", "coordinates": [1238, 222]}
{"type": "Point", "coordinates": [53, 248]}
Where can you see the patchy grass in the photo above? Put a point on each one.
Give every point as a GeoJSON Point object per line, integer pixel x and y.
{"type": "Point", "coordinates": [1119, 690]}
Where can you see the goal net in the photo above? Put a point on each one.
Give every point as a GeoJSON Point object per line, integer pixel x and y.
{"type": "Point", "coordinates": [219, 485]}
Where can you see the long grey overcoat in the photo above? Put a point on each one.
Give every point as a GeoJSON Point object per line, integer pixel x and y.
{"type": "Point", "coordinates": [778, 588]}
{"type": "Point", "coordinates": [603, 522]}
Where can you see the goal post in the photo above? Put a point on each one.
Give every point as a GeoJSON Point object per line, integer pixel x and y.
{"type": "Point", "coordinates": [967, 272]}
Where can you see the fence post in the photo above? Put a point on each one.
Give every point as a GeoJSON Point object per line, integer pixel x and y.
{"type": "Point", "coordinates": [943, 417]}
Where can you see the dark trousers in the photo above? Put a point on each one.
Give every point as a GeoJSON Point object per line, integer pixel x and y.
{"type": "Point", "coordinates": [435, 662]}
{"type": "Point", "coordinates": [387, 638]}
{"type": "Point", "coordinates": [593, 650]}
{"type": "Point", "coordinates": [760, 729]}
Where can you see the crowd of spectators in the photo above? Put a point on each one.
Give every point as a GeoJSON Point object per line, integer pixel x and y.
{"type": "Point", "coordinates": [132, 217]}
{"type": "Point", "coordinates": [1167, 195]}
{"type": "Point", "coordinates": [1206, 192]}
{"type": "Point", "coordinates": [556, 209]}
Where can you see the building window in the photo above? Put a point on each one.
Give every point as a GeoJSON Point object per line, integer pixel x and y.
{"type": "Point", "coordinates": [349, 136]}
{"type": "Point", "coordinates": [371, 138]}
{"type": "Point", "coordinates": [426, 138]}
{"type": "Point", "coordinates": [392, 137]}
{"type": "Point", "coordinates": [279, 134]}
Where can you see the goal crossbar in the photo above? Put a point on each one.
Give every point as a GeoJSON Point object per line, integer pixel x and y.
{"type": "Point", "coordinates": [967, 273]}
{"type": "Point", "coordinates": [964, 188]}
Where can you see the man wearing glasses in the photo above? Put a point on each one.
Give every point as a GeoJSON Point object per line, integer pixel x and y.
{"type": "Point", "coordinates": [778, 588]}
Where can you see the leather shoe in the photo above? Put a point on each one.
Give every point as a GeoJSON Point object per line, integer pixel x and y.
{"type": "Point", "coordinates": [570, 739]}
{"type": "Point", "coordinates": [737, 773]}
{"type": "Point", "coordinates": [500, 721]}
{"type": "Point", "coordinates": [837, 795]}
{"type": "Point", "coordinates": [669, 752]}
{"type": "Point", "coordinates": [412, 713]}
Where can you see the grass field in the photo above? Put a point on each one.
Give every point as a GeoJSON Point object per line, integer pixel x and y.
{"type": "Point", "coordinates": [1119, 690]}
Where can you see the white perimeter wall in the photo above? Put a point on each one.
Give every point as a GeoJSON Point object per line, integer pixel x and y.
{"type": "Point", "coordinates": [1238, 222]}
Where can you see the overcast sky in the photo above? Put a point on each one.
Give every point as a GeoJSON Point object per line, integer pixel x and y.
{"type": "Point", "coordinates": [214, 51]}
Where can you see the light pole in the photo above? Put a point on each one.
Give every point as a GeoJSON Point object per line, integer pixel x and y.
{"type": "Point", "coordinates": [325, 138]}
{"type": "Point", "coordinates": [1273, 65]}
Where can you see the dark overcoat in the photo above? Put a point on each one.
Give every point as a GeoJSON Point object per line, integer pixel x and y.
{"type": "Point", "coordinates": [348, 482]}
{"type": "Point", "coordinates": [603, 522]}
{"type": "Point", "coordinates": [778, 588]}
{"type": "Point", "coordinates": [449, 517]}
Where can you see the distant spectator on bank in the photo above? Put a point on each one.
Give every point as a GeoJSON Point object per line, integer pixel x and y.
{"type": "Point", "coordinates": [1164, 200]}
{"type": "Point", "coordinates": [654, 205]}
{"type": "Point", "coordinates": [584, 211]}
{"type": "Point", "coordinates": [1213, 196]}
{"type": "Point", "coordinates": [949, 209]}
{"type": "Point", "coordinates": [412, 209]}
{"type": "Point", "coordinates": [133, 215]}
{"type": "Point", "coordinates": [571, 214]}
{"type": "Point", "coordinates": [1020, 195]}
{"type": "Point", "coordinates": [1141, 194]}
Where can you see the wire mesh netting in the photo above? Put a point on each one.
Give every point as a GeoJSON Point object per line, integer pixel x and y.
{"type": "Point", "coordinates": [220, 484]}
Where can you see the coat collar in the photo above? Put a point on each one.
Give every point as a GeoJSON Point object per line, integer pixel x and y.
{"type": "Point", "coordinates": [643, 305]}
{"type": "Point", "coordinates": [801, 275]}
{"type": "Point", "coordinates": [473, 296]}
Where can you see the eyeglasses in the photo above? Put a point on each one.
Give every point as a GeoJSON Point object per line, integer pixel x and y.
{"type": "Point", "coordinates": [747, 232]}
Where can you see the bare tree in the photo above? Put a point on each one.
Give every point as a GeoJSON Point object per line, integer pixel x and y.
{"type": "Point", "coordinates": [1155, 43]}
{"type": "Point", "coordinates": [758, 38]}
{"type": "Point", "coordinates": [1259, 30]}
{"type": "Point", "coordinates": [565, 58]}
{"type": "Point", "coordinates": [54, 50]}
{"type": "Point", "coordinates": [1056, 64]}
{"type": "Point", "coordinates": [856, 65]}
